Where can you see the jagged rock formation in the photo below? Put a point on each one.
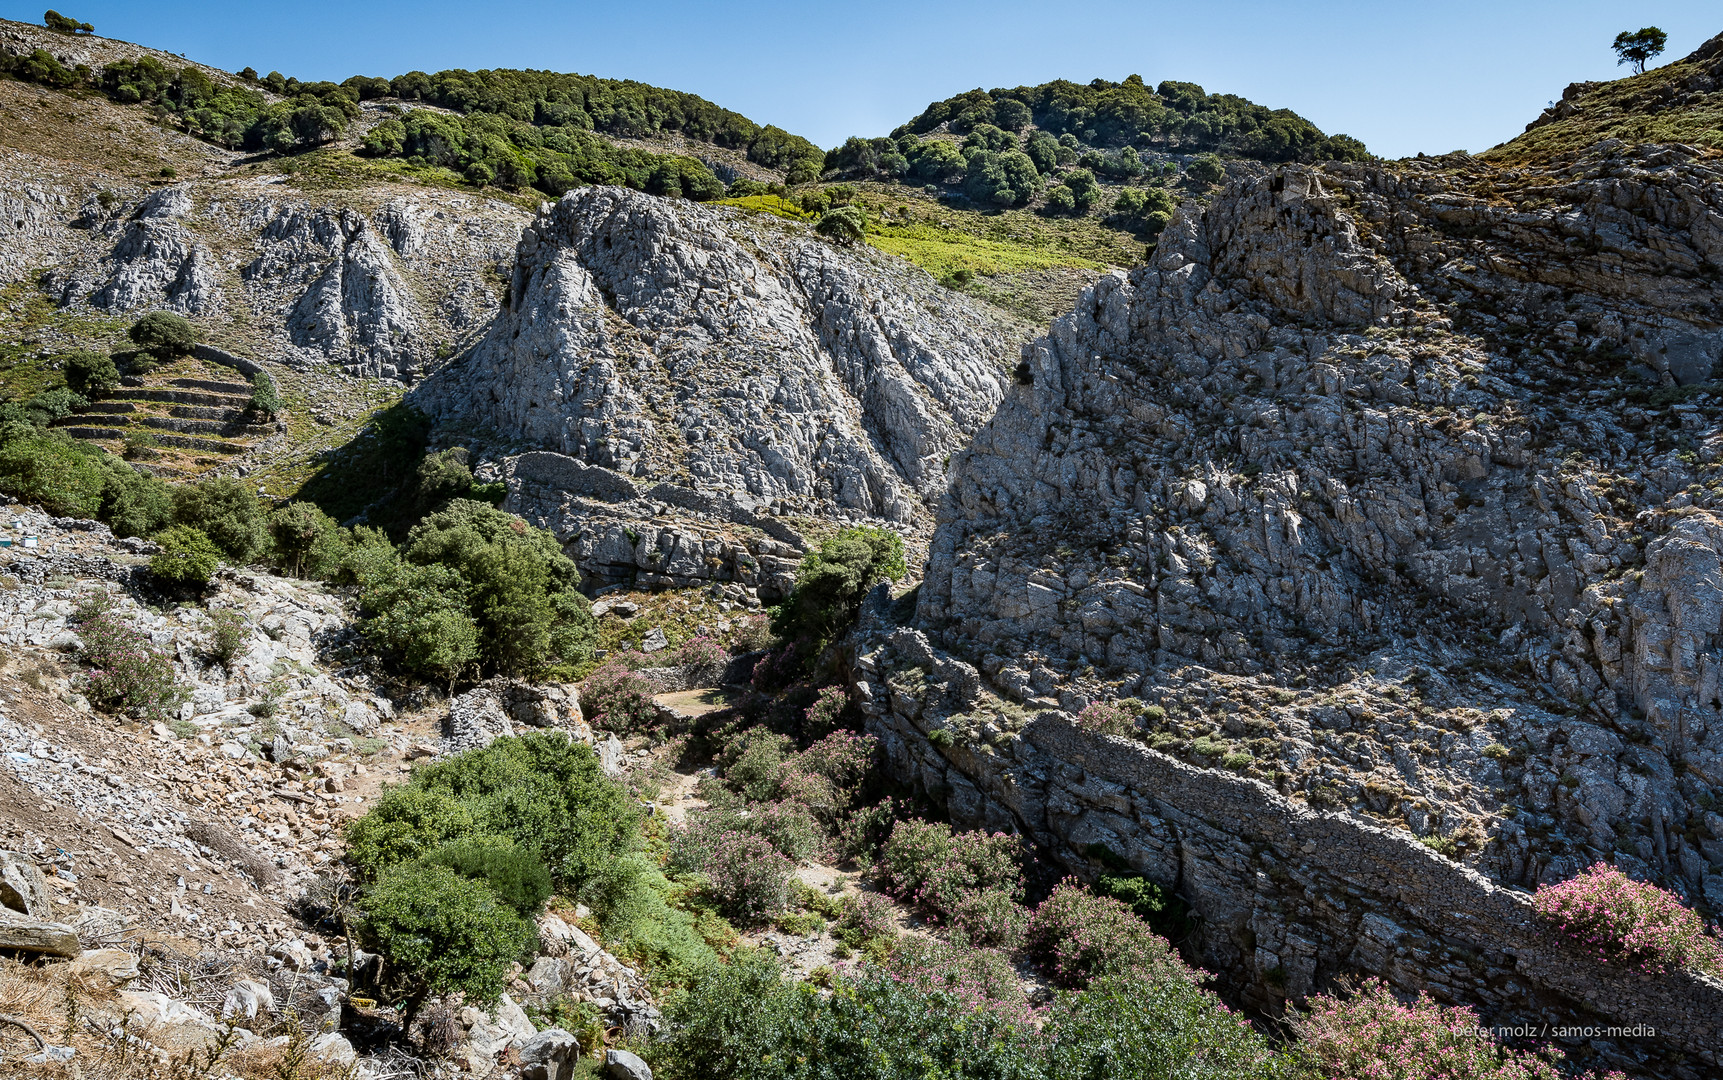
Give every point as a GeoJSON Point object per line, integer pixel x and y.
{"type": "Point", "coordinates": [731, 353]}
{"type": "Point", "coordinates": [1395, 493]}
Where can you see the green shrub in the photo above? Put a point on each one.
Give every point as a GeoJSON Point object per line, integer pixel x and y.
{"type": "Point", "coordinates": [843, 225]}
{"type": "Point", "coordinates": [89, 372]}
{"type": "Point", "coordinates": [226, 640]}
{"type": "Point", "coordinates": [831, 582]}
{"type": "Point", "coordinates": [444, 933]}
{"type": "Point", "coordinates": [163, 334]}
{"type": "Point", "coordinates": [306, 542]}
{"type": "Point", "coordinates": [54, 404]}
{"type": "Point", "coordinates": [265, 398]}
{"type": "Point", "coordinates": [419, 617]}
{"type": "Point", "coordinates": [742, 1021]}
{"type": "Point", "coordinates": [518, 876]}
{"type": "Point", "coordinates": [133, 503]}
{"type": "Point", "coordinates": [225, 510]}
{"type": "Point", "coordinates": [523, 593]}
{"type": "Point", "coordinates": [1166, 913]}
{"type": "Point", "coordinates": [1125, 1025]}
{"type": "Point", "coordinates": [1206, 169]}
{"type": "Point", "coordinates": [52, 470]}
{"type": "Point", "coordinates": [187, 559]}
{"type": "Point", "coordinates": [544, 791]}
{"type": "Point", "coordinates": [60, 24]}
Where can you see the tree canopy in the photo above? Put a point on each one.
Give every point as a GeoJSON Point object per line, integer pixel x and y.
{"type": "Point", "coordinates": [1637, 47]}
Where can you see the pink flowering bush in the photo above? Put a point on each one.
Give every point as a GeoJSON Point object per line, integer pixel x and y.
{"type": "Point", "coordinates": [1106, 718]}
{"type": "Point", "coordinates": [789, 828]}
{"type": "Point", "coordinates": [925, 864]}
{"type": "Point", "coordinates": [127, 673]}
{"type": "Point", "coordinates": [1633, 923]}
{"type": "Point", "coordinates": [866, 917]}
{"type": "Point", "coordinates": [1375, 1036]}
{"type": "Point", "coordinates": [703, 659]}
{"type": "Point", "coordinates": [822, 716]}
{"type": "Point", "coordinates": [748, 877]}
{"type": "Point", "coordinates": [980, 979]}
{"type": "Point", "coordinates": [1077, 936]}
{"type": "Point", "coordinates": [828, 776]}
{"type": "Point", "coordinates": [617, 699]}
{"type": "Point", "coordinates": [989, 919]}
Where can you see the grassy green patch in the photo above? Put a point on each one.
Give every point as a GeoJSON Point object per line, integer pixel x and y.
{"type": "Point", "coordinates": [769, 204]}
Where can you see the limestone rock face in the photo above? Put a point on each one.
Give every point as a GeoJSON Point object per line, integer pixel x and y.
{"type": "Point", "coordinates": [156, 260]}
{"type": "Point", "coordinates": [1392, 494]}
{"type": "Point", "coordinates": [730, 354]}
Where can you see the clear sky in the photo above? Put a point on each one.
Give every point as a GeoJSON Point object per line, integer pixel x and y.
{"type": "Point", "coordinates": [1404, 77]}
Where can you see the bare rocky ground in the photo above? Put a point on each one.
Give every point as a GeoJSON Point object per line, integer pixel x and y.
{"type": "Point", "coordinates": [182, 853]}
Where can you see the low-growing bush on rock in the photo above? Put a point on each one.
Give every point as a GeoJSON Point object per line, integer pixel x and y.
{"type": "Point", "coordinates": [1619, 920]}
{"type": "Point", "coordinates": [187, 558]}
{"type": "Point", "coordinates": [127, 673]}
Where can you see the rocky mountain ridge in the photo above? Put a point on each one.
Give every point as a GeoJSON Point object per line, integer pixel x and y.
{"type": "Point", "coordinates": [729, 352]}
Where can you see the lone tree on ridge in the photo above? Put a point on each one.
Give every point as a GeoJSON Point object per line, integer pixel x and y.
{"type": "Point", "coordinates": [1639, 46]}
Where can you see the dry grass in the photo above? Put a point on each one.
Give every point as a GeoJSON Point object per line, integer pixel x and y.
{"type": "Point", "coordinates": [83, 1011]}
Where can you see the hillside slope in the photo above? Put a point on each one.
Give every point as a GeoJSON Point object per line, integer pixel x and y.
{"type": "Point", "coordinates": [1680, 102]}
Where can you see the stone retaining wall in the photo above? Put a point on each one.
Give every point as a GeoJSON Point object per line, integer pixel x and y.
{"type": "Point", "coordinates": [1290, 899]}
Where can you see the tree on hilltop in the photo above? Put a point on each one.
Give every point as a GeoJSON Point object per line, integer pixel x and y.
{"type": "Point", "coordinates": [58, 23]}
{"type": "Point", "coordinates": [1639, 46]}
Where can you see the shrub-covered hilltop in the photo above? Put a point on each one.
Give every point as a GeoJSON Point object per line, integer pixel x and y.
{"type": "Point", "coordinates": [517, 129]}
{"type": "Point", "coordinates": [1006, 147]}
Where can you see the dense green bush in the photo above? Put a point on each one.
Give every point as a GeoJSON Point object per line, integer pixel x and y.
{"type": "Point", "coordinates": [418, 616]}
{"type": "Point", "coordinates": [226, 511]}
{"type": "Point", "coordinates": [522, 591]}
{"type": "Point", "coordinates": [187, 558]}
{"type": "Point", "coordinates": [1206, 169]}
{"type": "Point", "coordinates": [443, 933]}
{"type": "Point", "coordinates": [544, 791]}
{"type": "Point", "coordinates": [843, 225]}
{"type": "Point", "coordinates": [51, 469]}
{"type": "Point", "coordinates": [518, 876]}
{"type": "Point", "coordinates": [60, 24]}
{"type": "Point", "coordinates": [265, 398]}
{"type": "Point", "coordinates": [163, 334]}
{"type": "Point", "coordinates": [832, 581]}
{"type": "Point", "coordinates": [949, 1015]}
{"type": "Point", "coordinates": [1158, 1029]}
{"type": "Point", "coordinates": [306, 542]}
{"type": "Point", "coordinates": [90, 372]}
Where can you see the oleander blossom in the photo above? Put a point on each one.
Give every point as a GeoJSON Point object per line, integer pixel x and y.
{"type": "Point", "coordinates": [1376, 1036]}
{"type": "Point", "coordinates": [126, 672]}
{"type": "Point", "coordinates": [1635, 924]}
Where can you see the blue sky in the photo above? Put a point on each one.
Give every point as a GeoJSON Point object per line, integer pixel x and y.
{"type": "Point", "coordinates": [1404, 77]}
